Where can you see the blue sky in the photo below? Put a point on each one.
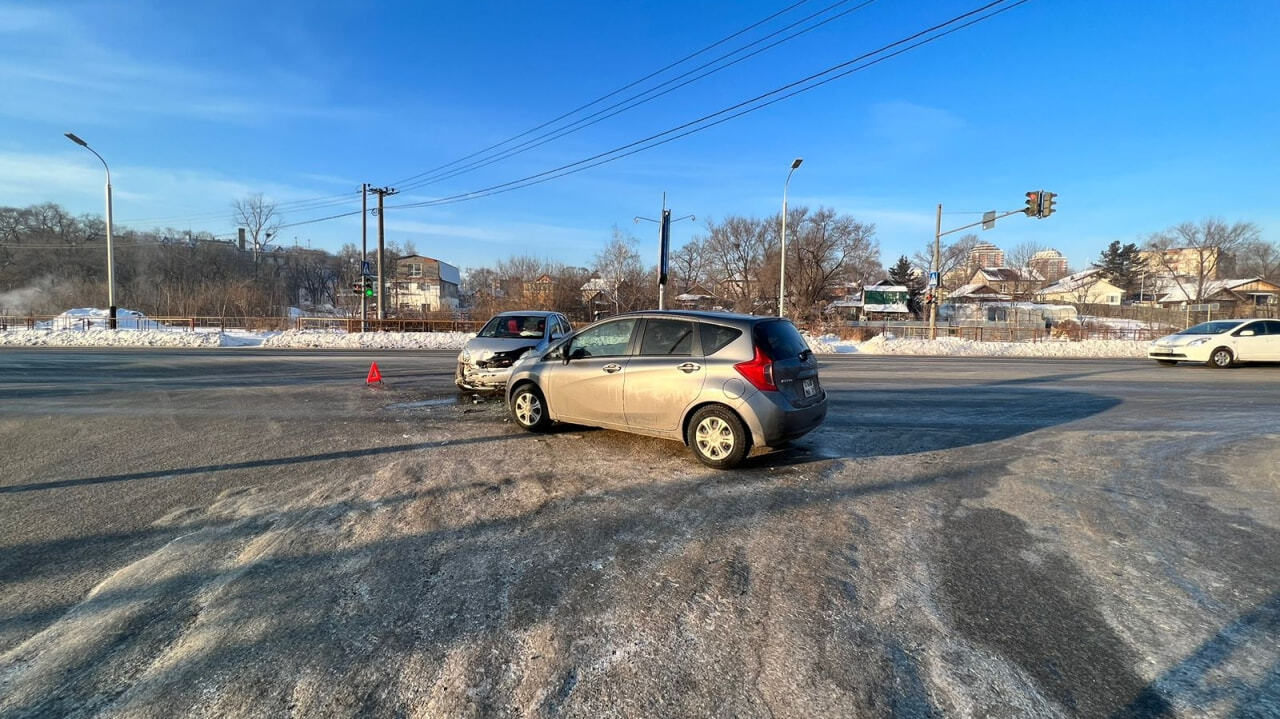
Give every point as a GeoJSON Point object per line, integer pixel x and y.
{"type": "Point", "coordinates": [1140, 115]}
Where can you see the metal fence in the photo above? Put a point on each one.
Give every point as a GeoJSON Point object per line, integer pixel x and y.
{"type": "Point", "coordinates": [352, 324]}
{"type": "Point", "coordinates": [1025, 333]}
{"type": "Point", "coordinates": [252, 324]}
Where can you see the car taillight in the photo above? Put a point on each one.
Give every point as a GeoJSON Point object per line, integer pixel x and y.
{"type": "Point", "coordinates": [759, 372]}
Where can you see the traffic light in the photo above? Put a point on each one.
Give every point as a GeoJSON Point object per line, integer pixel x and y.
{"type": "Point", "coordinates": [1033, 204]}
{"type": "Point", "coordinates": [363, 287]}
{"type": "Point", "coordinates": [368, 290]}
{"type": "Point", "coordinates": [1046, 203]}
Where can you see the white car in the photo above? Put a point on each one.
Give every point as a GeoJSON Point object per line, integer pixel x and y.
{"type": "Point", "coordinates": [485, 360]}
{"type": "Point", "coordinates": [1220, 343]}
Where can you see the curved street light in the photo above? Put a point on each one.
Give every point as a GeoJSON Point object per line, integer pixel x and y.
{"type": "Point", "coordinates": [111, 272]}
{"type": "Point", "coordinates": [782, 270]}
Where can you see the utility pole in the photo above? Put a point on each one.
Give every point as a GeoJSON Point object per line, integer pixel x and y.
{"type": "Point", "coordinates": [364, 251]}
{"type": "Point", "coordinates": [664, 247]}
{"type": "Point", "coordinates": [382, 193]}
{"type": "Point", "coordinates": [1039, 204]}
{"type": "Point", "coordinates": [937, 270]}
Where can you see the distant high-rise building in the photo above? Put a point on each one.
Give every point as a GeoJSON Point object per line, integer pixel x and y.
{"type": "Point", "coordinates": [985, 254]}
{"type": "Point", "coordinates": [1050, 264]}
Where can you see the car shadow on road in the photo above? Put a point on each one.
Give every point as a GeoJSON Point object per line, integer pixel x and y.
{"type": "Point", "coordinates": [874, 423]}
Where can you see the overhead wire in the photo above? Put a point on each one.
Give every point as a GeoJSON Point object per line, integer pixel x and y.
{"type": "Point", "coordinates": [702, 122]}
{"type": "Point", "coordinates": [606, 96]}
{"type": "Point", "coordinates": [784, 92]}
{"type": "Point", "coordinates": [316, 203]}
{"type": "Point", "coordinates": [640, 98]}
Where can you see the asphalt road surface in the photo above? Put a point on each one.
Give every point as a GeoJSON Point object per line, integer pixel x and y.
{"type": "Point", "coordinates": [256, 533]}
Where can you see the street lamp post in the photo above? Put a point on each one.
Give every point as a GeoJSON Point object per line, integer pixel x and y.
{"type": "Point", "coordinates": [111, 271]}
{"type": "Point", "coordinates": [782, 270]}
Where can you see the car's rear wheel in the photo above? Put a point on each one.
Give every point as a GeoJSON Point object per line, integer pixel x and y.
{"type": "Point", "coordinates": [718, 438]}
{"type": "Point", "coordinates": [1167, 362]}
{"type": "Point", "coordinates": [1221, 358]}
{"type": "Point", "coordinates": [529, 409]}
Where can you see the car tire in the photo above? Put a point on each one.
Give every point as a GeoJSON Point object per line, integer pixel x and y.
{"type": "Point", "coordinates": [1221, 358]}
{"type": "Point", "coordinates": [529, 408]}
{"type": "Point", "coordinates": [717, 437]}
{"type": "Point", "coordinates": [1167, 362]}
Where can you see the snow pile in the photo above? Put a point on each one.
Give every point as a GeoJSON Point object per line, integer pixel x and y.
{"type": "Point", "coordinates": [955, 347]}
{"type": "Point", "coordinates": [98, 318]}
{"type": "Point", "coordinates": [107, 338]}
{"type": "Point", "coordinates": [368, 340]}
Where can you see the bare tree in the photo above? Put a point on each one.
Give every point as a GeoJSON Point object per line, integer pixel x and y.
{"type": "Point", "coordinates": [828, 250]}
{"type": "Point", "coordinates": [954, 260]}
{"type": "Point", "coordinates": [259, 218]}
{"type": "Point", "coordinates": [688, 266]}
{"type": "Point", "coordinates": [1259, 258]}
{"type": "Point", "coordinates": [619, 262]}
{"type": "Point", "coordinates": [1193, 253]}
{"type": "Point", "coordinates": [736, 250]}
{"type": "Point", "coordinates": [1019, 260]}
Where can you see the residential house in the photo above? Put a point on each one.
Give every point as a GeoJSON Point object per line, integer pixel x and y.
{"type": "Point", "coordinates": [1088, 287]}
{"type": "Point", "coordinates": [424, 284]}
{"type": "Point", "coordinates": [695, 298]}
{"type": "Point", "coordinates": [885, 300]}
{"type": "Point", "coordinates": [539, 293]}
{"type": "Point", "coordinates": [1235, 298]}
{"type": "Point", "coordinates": [1018, 283]}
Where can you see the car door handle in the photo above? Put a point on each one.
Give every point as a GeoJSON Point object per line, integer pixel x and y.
{"type": "Point", "coordinates": [688, 367]}
{"type": "Point", "coordinates": [611, 368]}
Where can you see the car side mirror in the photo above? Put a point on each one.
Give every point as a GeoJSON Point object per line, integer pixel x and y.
{"type": "Point", "coordinates": [1246, 333]}
{"type": "Point", "coordinates": [556, 335]}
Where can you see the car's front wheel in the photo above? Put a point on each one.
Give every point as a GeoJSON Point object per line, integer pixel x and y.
{"type": "Point", "coordinates": [718, 438]}
{"type": "Point", "coordinates": [529, 409]}
{"type": "Point", "coordinates": [1221, 358]}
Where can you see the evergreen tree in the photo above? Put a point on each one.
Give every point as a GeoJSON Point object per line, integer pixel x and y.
{"type": "Point", "coordinates": [1122, 265]}
{"type": "Point", "coordinates": [903, 273]}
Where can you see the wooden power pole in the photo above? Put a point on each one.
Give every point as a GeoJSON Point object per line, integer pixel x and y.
{"type": "Point", "coordinates": [382, 193]}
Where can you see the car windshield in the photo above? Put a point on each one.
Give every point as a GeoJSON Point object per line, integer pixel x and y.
{"type": "Point", "coordinates": [1211, 328]}
{"type": "Point", "coordinates": [509, 326]}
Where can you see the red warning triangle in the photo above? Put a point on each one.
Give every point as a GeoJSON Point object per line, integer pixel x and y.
{"type": "Point", "coordinates": [374, 374]}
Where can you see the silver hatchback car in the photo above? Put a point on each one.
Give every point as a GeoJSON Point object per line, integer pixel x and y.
{"type": "Point", "coordinates": [721, 383]}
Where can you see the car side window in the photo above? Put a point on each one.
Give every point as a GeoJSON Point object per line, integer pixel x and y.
{"type": "Point", "coordinates": [1254, 327]}
{"type": "Point", "coordinates": [607, 340]}
{"type": "Point", "coordinates": [1272, 327]}
{"type": "Point", "coordinates": [716, 337]}
{"type": "Point", "coordinates": [667, 337]}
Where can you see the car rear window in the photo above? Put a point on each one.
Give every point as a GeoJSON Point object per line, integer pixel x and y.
{"type": "Point", "coordinates": [779, 339]}
{"type": "Point", "coordinates": [717, 337]}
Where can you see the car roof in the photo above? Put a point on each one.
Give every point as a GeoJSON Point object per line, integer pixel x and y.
{"type": "Point", "coordinates": [526, 313]}
{"type": "Point", "coordinates": [701, 315]}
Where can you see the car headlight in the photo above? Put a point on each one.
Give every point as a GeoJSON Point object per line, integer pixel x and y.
{"type": "Point", "coordinates": [1198, 341]}
{"type": "Point", "coordinates": [465, 355]}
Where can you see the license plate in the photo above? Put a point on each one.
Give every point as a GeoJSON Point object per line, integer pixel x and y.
{"type": "Point", "coordinates": [810, 387]}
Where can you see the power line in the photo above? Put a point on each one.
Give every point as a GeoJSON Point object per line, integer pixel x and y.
{"type": "Point", "coordinates": [300, 205]}
{"type": "Point", "coordinates": [640, 99]}
{"type": "Point", "coordinates": [617, 153]}
{"type": "Point", "coordinates": [602, 98]}
{"type": "Point", "coordinates": [305, 204]}
{"type": "Point", "coordinates": [783, 92]}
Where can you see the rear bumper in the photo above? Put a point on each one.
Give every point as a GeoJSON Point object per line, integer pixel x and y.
{"type": "Point", "coordinates": [773, 420]}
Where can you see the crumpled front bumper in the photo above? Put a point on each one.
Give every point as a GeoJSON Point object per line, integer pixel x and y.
{"type": "Point", "coordinates": [481, 379]}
